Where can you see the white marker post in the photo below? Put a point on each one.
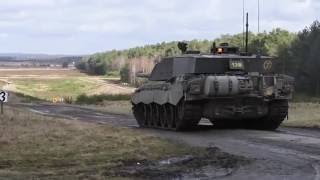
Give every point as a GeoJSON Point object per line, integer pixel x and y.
{"type": "Point", "coordinates": [3, 99]}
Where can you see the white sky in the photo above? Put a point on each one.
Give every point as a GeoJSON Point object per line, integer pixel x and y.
{"type": "Point", "coordinates": [88, 26]}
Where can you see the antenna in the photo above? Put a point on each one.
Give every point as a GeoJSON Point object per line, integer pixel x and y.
{"type": "Point", "coordinates": [243, 24]}
{"type": "Point", "coordinates": [259, 41]}
{"type": "Point", "coordinates": [247, 33]}
{"type": "Point", "coordinates": [258, 16]}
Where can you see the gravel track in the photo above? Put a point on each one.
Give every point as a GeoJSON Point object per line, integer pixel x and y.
{"type": "Point", "coordinates": [289, 153]}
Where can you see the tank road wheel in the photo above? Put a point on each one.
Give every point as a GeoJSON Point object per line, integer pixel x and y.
{"type": "Point", "coordinates": [181, 123]}
{"type": "Point", "coordinates": [148, 115]}
{"type": "Point", "coordinates": [181, 117]}
{"type": "Point", "coordinates": [278, 111]}
{"type": "Point", "coordinates": [163, 116]}
{"type": "Point", "coordinates": [152, 115]}
{"type": "Point", "coordinates": [156, 115]}
{"type": "Point", "coordinates": [139, 114]}
{"type": "Point", "coordinates": [171, 114]}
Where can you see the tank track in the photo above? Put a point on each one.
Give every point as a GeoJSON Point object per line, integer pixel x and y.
{"type": "Point", "coordinates": [184, 116]}
{"type": "Point", "coordinates": [278, 111]}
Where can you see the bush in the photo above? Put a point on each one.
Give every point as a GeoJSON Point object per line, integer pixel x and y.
{"type": "Point", "coordinates": [124, 74]}
{"type": "Point", "coordinates": [100, 68]}
{"type": "Point", "coordinates": [96, 99]}
{"type": "Point", "coordinates": [113, 74]}
{"type": "Point", "coordinates": [93, 66]}
{"type": "Point", "coordinates": [81, 65]}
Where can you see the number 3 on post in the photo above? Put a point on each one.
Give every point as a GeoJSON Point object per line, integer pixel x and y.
{"type": "Point", "coordinates": [3, 96]}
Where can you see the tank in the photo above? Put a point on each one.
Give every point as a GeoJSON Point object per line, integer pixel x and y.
{"type": "Point", "coordinates": [225, 86]}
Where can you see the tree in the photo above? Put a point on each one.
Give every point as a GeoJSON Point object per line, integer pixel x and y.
{"type": "Point", "coordinates": [303, 60]}
{"type": "Point", "coordinates": [100, 68]}
{"type": "Point", "coordinates": [124, 74]}
{"type": "Point", "coordinates": [81, 65]}
{"type": "Point", "coordinates": [65, 64]}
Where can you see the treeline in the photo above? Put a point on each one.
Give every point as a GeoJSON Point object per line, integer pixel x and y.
{"type": "Point", "coordinates": [102, 63]}
{"type": "Point", "coordinates": [302, 60]}
{"type": "Point", "coordinates": [300, 52]}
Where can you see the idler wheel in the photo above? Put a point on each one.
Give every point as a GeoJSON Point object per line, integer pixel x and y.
{"type": "Point", "coordinates": [148, 115]}
{"type": "Point", "coordinates": [139, 114]}
{"type": "Point", "coordinates": [171, 116]}
{"type": "Point", "coordinates": [155, 115]}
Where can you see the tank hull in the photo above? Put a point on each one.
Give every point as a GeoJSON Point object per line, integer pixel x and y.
{"type": "Point", "coordinates": [177, 99]}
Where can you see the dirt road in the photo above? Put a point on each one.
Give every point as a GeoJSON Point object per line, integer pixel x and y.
{"type": "Point", "coordinates": [289, 153]}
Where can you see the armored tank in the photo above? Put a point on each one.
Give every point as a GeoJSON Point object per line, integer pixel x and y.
{"type": "Point", "coordinates": [225, 86]}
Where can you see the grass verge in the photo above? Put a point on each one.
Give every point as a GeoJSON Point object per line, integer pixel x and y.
{"type": "Point", "coordinates": [25, 98]}
{"type": "Point", "coordinates": [38, 147]}
{"type": "Point", "coordinates": [98, 99]}
{"type": "Point", "coordinates": [304, 115]}
{"type": "Point", "coordinates": [48, 89]}
{"type": "Point", "coordinates": [303, 98]}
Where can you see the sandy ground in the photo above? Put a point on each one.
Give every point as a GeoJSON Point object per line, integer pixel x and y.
{"type": "Point", "coordinates": [289, 153]}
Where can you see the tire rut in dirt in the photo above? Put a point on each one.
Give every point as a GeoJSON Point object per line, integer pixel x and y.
{"type": "Point", "coordinates": [202, 163]}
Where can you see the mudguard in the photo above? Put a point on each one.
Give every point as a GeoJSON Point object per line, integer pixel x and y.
{"type": "Point", "coordinates": [172, 95]}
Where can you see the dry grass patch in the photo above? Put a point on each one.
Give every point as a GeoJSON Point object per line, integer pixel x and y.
{"type": "Point", "coordinates": [34, 146]}
{"type": "Point", "coordinates": [304, 115]}
{"type": "Point", "coordinates": [48, 83]}
{"type": "Point", "coordinates": [114, 107]}
{"type": "Point", "coordinates": [50, 88]}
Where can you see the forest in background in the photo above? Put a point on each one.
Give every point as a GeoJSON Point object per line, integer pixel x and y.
{"type": "Point", "coordinates": [300, 52]}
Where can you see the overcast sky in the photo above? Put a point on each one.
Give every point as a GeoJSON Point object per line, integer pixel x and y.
{"type": "Point", "coordinates": [88, 26]}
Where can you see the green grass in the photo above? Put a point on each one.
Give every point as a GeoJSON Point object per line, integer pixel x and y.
{"type": "Point", "coordinates": [301, 98]}
{"type": "Point", "coordinates": [37, 147]}
{"type": "Point", "coordinates": [113, 74]}
{"type": "Point", "coordinates": [27, 99]}
{"type": "Point", "coordinates": [304, 115]}
{"type": "Point", "coordinates": [98, 99]}
{"type": "Point", "coordinates": [51, 88]}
